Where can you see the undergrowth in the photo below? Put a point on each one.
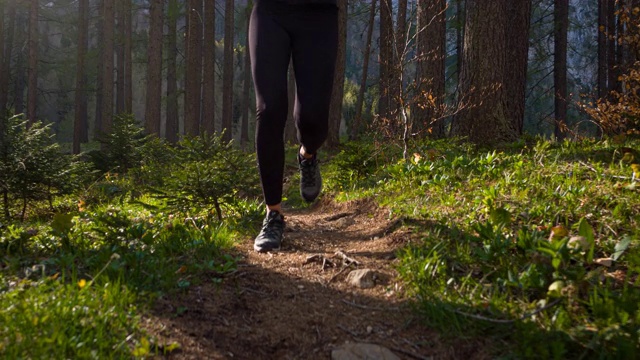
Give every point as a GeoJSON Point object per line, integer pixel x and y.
{"type": "Point", "coordinates": [534, 245]}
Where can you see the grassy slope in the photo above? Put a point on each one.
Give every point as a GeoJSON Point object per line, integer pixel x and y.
{"type": "Point", "coordinates": [494, 244]}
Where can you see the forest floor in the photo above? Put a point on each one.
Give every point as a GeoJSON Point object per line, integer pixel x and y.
{"type": "Point", "coordinates": [298, 304]}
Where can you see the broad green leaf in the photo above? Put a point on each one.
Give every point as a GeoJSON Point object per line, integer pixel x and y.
{"type": "Point", "coordinates": [584, 229]}
{"type": "Point", "coordinates": [620, 248]}
{"type": "Point", "coordinates": [500, 216]}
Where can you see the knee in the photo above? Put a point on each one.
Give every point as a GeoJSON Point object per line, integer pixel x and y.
{"type": "Point", "coordinates": [272, 110]}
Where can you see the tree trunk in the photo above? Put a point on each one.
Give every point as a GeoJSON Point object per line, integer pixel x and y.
{"type": "Point", "coordinates": [172, 125]}
{"type": "Point", "coordinates": [128, 62]}
{"type": "Point", "coordinates": [227, 80]}
{"type": "Point", "coordinates": [335, 108]}
{"type": "Point", "coordinates": [357, 123]}
{"type": "Point", "coordinates": [119, 45]}
{"type": "Point", "coordinates": [385, 58]}
{"type": "Point", "coordinates": [515, 83]}
{"type": "Point", "coordinates": [32, 95]}
{"type": "Point", "coordinates": [290, 127]}
{"type": "Point", "coordinates": [397, 65]}
{"type": "Point", "coordinates": [603, 46]}
{"type": "Point", "coordinates": [154, 69]}
{"type": "Point", "coordinates": [209, 77]}
{"type": "Point", "coordinates": [20, 75]}
{"type": "Point", "coordinates": [2, 74]}
{"type": "Point", "coordinates": [561, 26]}
{"type": "Point", "coordinates": [80, 122]}
{"type": "Point", "coordinates": [193, 71]}
{"type": "Point", "coordinates": [107, 68]}
{"type": "Point", "coordinates": [99, 71]}
{"type": "Point", "coordinates": [5, 69]}
{"type": "Point", "coordinates": [431, 40]}
{"type": "Point", "coordinates": [246, 84]}
{"type": "Point", "coordinates": [484, 120]}
{"type": "Point", "coordinates": [611, 48]}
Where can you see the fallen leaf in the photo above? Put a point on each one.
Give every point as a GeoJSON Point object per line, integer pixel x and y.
{"type": "Point", "coordinates": [606, 262]}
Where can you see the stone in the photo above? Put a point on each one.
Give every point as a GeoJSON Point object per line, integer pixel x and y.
{"type": "Point", "coordinates": [362, 351]}
{"type": "Point", "coordinates": [362, 278]}
{"type": "Point", "coordinates": [579, 242]}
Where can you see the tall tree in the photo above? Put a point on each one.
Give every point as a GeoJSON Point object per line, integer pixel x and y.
{"type": "Point", "coordinates": [193, 71]}
{"type": "Point", "coordinates": [209, 71]}
{"type": "Point", "coordinates": [227, 80]}
{"type": "Point", "coordinates": [603, 45]}
{"type": "Point", "coordinates": [20, 78]}
{"type": "Point", "coordinates": [154, 69]}
{"type": "Point", "coordinates": [246, 83]}
{"type": "Point", "coordinates": [400, 50]}
{"type": "Point", "coordinates": [335, 107]}
{"type": "Point", "coordinates": [32, 95]}
{"type": "Point", "coordinates": [515, 83]}
{"type": "Point", "coordinates": [485, 120]}
{"type": "Point", "coordinates": [357, 122]}
{"type": "Point", "coordinates": [80, 122]}
{"type": "Point", "coordinates": [561, 26]}
{"type": "Point", "coordinates": [107, 66]}
{"type": "Point", "coordinates": [2, 75]}
{"type": "Point", "coordinates": [119, 46]}
{"type": "Point", "coordinates": [5, 68]}
{"type": "Point", "coordinates": [385, 59]}
{"type": "Point", "coordinates": [172, 124]}
{"type": "Point", "coordinates": [290, 135]}
{"type": "Point", "coordinates": [431, 39]}
{"type": "Point", "coordinates": [100, 68]}
{"type": "Point", "coordinates": [611, 48]}
{"type": "Point", "coordinates": [128, 62]}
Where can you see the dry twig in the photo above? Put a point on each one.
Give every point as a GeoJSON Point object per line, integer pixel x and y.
{"type": "Point", "coordinates": [500, 321]}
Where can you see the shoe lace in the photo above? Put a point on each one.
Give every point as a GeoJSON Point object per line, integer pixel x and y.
{"type": "Point", "coordinates": [308, 169]}
{"type": "Point", "coordinates": [272, 228]}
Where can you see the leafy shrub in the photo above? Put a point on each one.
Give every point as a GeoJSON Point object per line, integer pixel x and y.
{"type": "Point", "coordinates": [209, 174]}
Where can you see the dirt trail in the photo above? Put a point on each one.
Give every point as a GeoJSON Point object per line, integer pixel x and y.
{"type": "Point", "coordinates": [283, 306]}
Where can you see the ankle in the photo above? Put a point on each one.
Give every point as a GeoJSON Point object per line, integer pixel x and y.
{"type": "Point", "coordinates": [276, 207]}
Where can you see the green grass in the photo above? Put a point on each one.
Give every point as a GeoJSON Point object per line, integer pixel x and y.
{"type": "Point", "coordinates": [133, 250]}
{"type": "Point", "coordinates": [53, 319]}
{"type": "Point", "coordinates": [485, 262]}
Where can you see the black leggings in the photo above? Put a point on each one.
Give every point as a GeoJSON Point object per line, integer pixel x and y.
{"type": "Point", "coordinates": [307, 34]}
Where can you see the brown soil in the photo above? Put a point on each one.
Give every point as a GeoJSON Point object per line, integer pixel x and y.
{"type": "Point", "coordinates": [283, 306]}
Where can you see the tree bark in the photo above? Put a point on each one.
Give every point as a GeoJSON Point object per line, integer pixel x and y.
{"type": "Point", "coordinates": [5, 69]}
{"type": "Point", "coordinates": [209, 76]}
{"type": "Point", "coordinates": [603, 46]}
{"type": "Point", "coordinates": [517, 33]}
{"type": "Point", "coordinates": [172, 124]}
{"type": "Point", "coordinates": [20, 77]}
{"type": "Point", "coordinates": [119, 45]}
{"type": "Point", "coordinates": [431, 38]}
{"type": "Point", "coordinates": [2, 37]}
{"type": "Point", "coordinates": [193, 71]}
{"type": "Point", "coordinates": [99, 71]}
{"type": "Point", "coordinates": [335, 107]}
{"type": "Point", "coordinates": [290, 135]}
{"type": "Point", "coordinates": [246, 84]}
{"type": "Point", "coordinates": [107, 68]}
{"type": "Point", "coordinates": [128, 62]}
{"type": "Point", "coordinates": [357, 122]}
{"type": "Point", "coordinates": [397, 64]}
{"type": "Point", "coordinates": [484, 120]}
{"type": "Point", "coordinates": [32, 94]}
{"type": "Point", "coordinates": [385, 59]}
{"type": "Point", "coordinates": [561, 26]}
{"type": "Point", "coordinates": [227, 81]}
{"type": "Point", "coordinates": [611, 48]}
{"type": "Point", "coordinates": [154, 69]}
{"type": "Point", "coordinates": [80, 122]}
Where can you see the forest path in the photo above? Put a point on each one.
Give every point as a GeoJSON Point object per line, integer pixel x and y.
{"type": "Point", "coordinates": [285, 305]}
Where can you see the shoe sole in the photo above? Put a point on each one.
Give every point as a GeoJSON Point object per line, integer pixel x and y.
{"type": "Point", "coordinates": [260, 250]}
